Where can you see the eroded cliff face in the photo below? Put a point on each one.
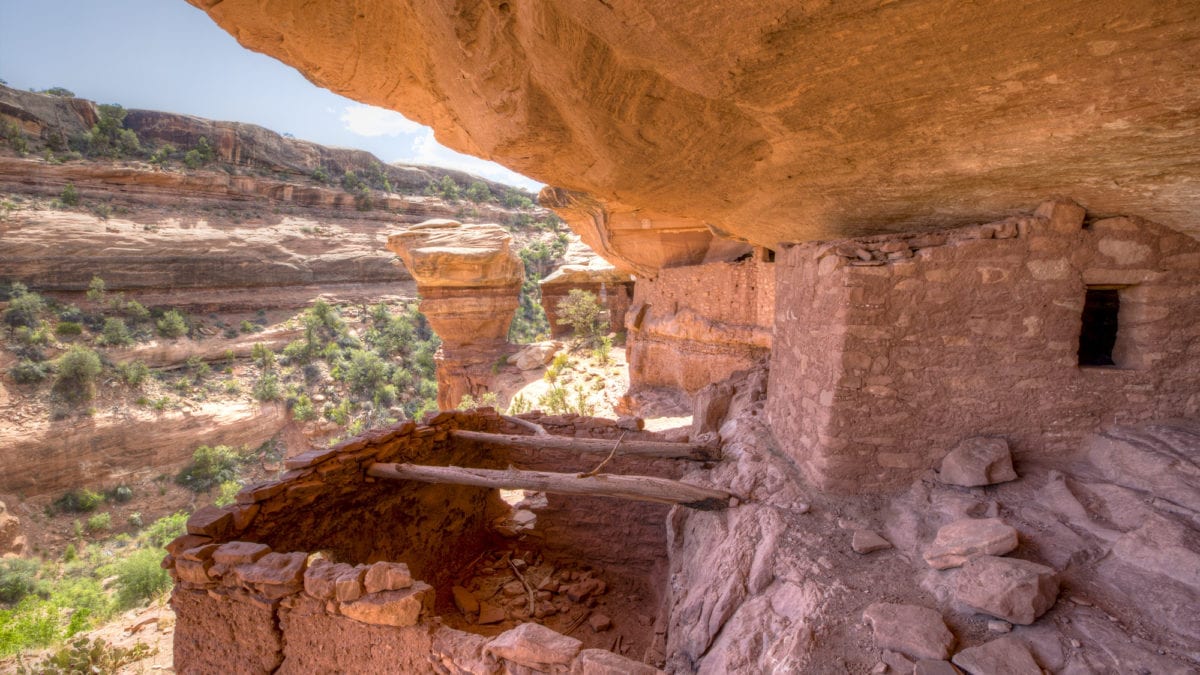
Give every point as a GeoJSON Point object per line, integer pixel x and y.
{"type": "Point", "coordinates": [774, 121]}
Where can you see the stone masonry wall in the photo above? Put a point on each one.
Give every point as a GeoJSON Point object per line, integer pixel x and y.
{"type": "Point", "coordinates": [250, 591]}
{"type": "Point", "coordinates": [890, 350]}
{"type": "Point", "coordinates": [695, 325]}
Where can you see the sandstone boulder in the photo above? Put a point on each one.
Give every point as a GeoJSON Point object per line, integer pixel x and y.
{"type": "Point", "coordinates": [917, 631]}
{"type": "Point", "coordinates": [466, 603]}
{"type": "Point", "coordinates": [12, 542]}
{"type": "Point", "coordinates": [535, 355]}
{"type": "Point", "coordinates": [320, 579]}
{"type": "Point", "coordinates": [392, 608]}
{"type": "Point", "coordinates": [1003, 656]}
{"type": "Point", "coordinates": [964, 539]}
{"type": "Point", "coordinates": [387, 576]}
{"type": "Point", "coordinates": [447, 253]}
{"type": "Point", "coordinates": [604, 662]}
{"type": "Point", "coordinates": [535, 646]}
{"type": "Point", "coordinates": [239, 552]}
{"type": "Point", "coordinates": [1018, 591]}
{"type": "Point", "coordinates": [978, 461]}
{"type": "Point", "coordinates": [866, 541]}
{"type": "Point", "coordinates": [931, 667]}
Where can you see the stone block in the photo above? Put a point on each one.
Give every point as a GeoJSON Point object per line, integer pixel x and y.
{"type": "Point", "coordinates": [310, 458]}
{"type": "Point", "coordinates": [535, 646]}
{"type": "Point", "coordinates": [932, 667]}
{"type": "Point", "coordinates": [193, 571]}
{"type": "Point", "coordinates": [392, 608]}
{"type": "Point", "coordinates": [349, 584]}
{"type": "Point", "coordinates": [260, 492]}
{"type": "Point", "coordinates": [239, 552]}
{"type": "Point", "coordinates": [183, 542]}
{"type": "Point", "coordinates": [274, 575]}
{"type": "Point", "coordinates": [199, 553]}
{"type": "Point", "coordinates": [1006, 656]}
{"type": "Point", "coordinates": [1061, 216]}
{"type": "Point", "coordinates": [917, 631]}
{"type": "Point", "coordinates": [387, 576]}
{"type": "Point", "coordinates": [1018, 591]}
{"type": "Point", "coordinates": [464, 601]}
{"type": "Point", "coordinates": [210, 521]}
{"type": "Point", "coordinates": [964, 539]}
{"type": "Point", "coordinates": [978, 461]}
{"type": "Point", "coordinates": [866, 541]}
{"type": "Point", "coordinates": [604, 662]}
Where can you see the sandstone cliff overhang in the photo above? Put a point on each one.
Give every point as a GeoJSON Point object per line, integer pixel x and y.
{"type": "Point", "coordinates": [781, 121]}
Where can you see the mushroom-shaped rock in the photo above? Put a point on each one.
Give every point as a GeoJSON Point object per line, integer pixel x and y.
{"type": "Point", "coordinates": [469, 280]}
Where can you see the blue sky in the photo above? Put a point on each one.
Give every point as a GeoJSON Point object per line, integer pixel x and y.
{"type": "Point", "coordinates": [168, 55]}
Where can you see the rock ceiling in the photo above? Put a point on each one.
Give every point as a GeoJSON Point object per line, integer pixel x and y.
{"type": "Point", "coordinates": [781, 120]}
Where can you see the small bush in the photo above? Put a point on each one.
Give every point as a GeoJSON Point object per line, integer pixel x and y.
{"type": "Point", "coordinates": [302, 409]}
{"type": "Point", "coordinates": [77, 371]}
{"type": "Point", "coordinates": [248, 327]}
{"type": "Point", "coordinates": [23, 309]}
{"type": "Point", "coordinates": [27, 372]}
{"type": "Point", "coordinates": [122, 494]}
{"type": "Point", "coordinates": [141, 577]}
{"type": "Point", "coordinates": [65, 329]}
{"type": "Point", "coordinates": [115, 332]}
{"type": "Point", "coordinates": [603, 351]}
{"type": "Point", "coordinates": [162, 531]}
{"type": "Point", "coordinates": [133, 373]}
{"type": "Point", "coordinates": [88, 656]}
{"type": "Point", "coordinates": [172, 325]}
{"type": "Point", "coordinates": [227, 492]}
{"type": "Point", "coordinates": [18, 578]}
{"type": "Point", "coordinates": [96, 289]}
{"type": "Point", "coordinates": [519, 405]}
{"type": "Point", "coordinates": [267, 387]}
{"type": "Point", "coordinates": [79, 501]}
{"type": "Point", "coordinates": [101, 522]}
{"type": "Point", "coordinates": [135, 520]}
{"type": "Point", "coordinates": [209, 466]}
{"type": "Point", "coordinates": [582, 312]}
{"type": "Point", "coordinates": [69, 195]}
{"type": "Point", "coordinates": [262, 355]}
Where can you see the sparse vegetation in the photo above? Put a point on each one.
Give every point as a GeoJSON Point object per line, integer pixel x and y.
{"type": "Point", "coordinates": [172, 325]}
{"type": "Point", "coordinates": [210, 466]}
{"type": "Point", "coordinates": [77, 371]}
{"type": "Point", "coordinates": [582, 312]}
{"type": "Point", "coordinates": [69, 196]}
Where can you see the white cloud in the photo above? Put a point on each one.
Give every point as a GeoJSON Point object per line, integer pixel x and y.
{"type": "Point", "coordinates": [426, 150]}
{"type": "Point", "coordinates": [367, 120]}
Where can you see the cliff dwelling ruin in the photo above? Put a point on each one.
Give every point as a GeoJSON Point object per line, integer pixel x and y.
{"type": "Point", "coordinates": [926, 275]}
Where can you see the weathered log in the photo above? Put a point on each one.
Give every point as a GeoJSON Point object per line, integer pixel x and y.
{"type": "Point", "coordinates": [660, 449]}
{"type": "Point", "coordinates": [641, 488]}
{"type": "Point", "coordinates": [532, 426]}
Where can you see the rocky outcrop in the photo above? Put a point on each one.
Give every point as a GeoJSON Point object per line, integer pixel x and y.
{"type": "Point", "coordinates": [469, 280]}
{"type": "Point", "coordinates": [41, 456]}
{"type": "Point", "coordinates": [777, 122]}
{"type": "Point", "coordinates": [12, 541]}
{"type": "Point", "coordinates": [584, 270]}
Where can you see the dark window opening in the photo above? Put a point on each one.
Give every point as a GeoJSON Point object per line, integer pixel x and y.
{"type": "Point", "coordinates": [1098, 335]}
{"type": "Point", "coordinates": [770, 255]}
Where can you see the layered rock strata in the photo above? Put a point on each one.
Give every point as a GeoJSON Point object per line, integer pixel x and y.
{"type": "Point", "coordinates": [469, 280]}
{"type": "Point", "coordinates": [774, 121]}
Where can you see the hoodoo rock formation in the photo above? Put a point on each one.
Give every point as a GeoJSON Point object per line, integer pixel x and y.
{"type": "Point", "coordinates": [469, 280]}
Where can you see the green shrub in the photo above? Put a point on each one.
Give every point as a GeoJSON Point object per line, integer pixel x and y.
{"type": "Point", "coordinates": [367, 371]}
{"type": "Point", "coordinates": [519, 405]}
{"type": "Point", "coordinates": [209, 466]}
{"type": "Point", "coordinates": [478, 192]}
{"type": "Point", "coordinates": [121, 494]}
{"type": "Point", "coordinates": [582, 312]}
{"type": "Point", "coordinates": [101, 522]}
{"type": "Point", "coordinates": [24, 309]}
{"type": "Point", "coordinates": [96, 289]}
{"type": "Point", "coordinates": [227, 492]}
{"type": "Point", "coordinates": [115, 332]}
{"type": "Point", "coordinates": [68, 329]}
{"type": "Point", "coordinates": [69, 196]}
{"type": "Point", "coordinates": [302, 409]}
{"type": "Point", "coordinates": [77, 371]}
{"type": "Point", "coordinates": [162, 531]}
{"type": "Point", "coordinates": [135, 311]}
{"type": "Point", "coordinates": [172, 324]}
{"type": "Point", "coordinates": [135, 520]}
{"type": "Point", "coordinates": [82, 500]}
{"type": "Point", "coordinates": [18, 578]}
{"type": "Point", "coordinates": [109, 137]}
{"type": "Point", "coordinates": [267, 387]}
{"type": "Point", "coordinates": [248, 327]}
{"type": "Point", "coordinates": [133, 373]}
{"type": "Point", "coordinates": [141, 577]}
{"type": "Point", "coordinates": [27, 372]}
{"type": "Point", "coordinates": [262, 355]}
{"type": "Point", "coordinates": [603, 351]}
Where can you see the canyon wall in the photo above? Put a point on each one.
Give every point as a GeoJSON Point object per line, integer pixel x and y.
{"type": "Point", "coordinates": [695, 325]}
{"type": "Point", "coordinates": [891, 350]}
